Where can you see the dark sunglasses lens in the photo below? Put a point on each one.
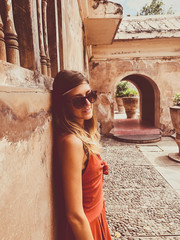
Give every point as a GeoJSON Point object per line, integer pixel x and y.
{"type": "Point", "coordinates": [79, 102]}
{"type": "Point", "coordinates": [92, 96]}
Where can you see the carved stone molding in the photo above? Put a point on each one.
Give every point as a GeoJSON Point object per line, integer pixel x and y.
{"type": "Point", "coordinates": [45, 34]}
{"type": "Point", "coordinates": [2, 42]}
{"type": "Point", "coordinates": [41, 38]}
{"type": "Point", "coordinates": [11, 37]}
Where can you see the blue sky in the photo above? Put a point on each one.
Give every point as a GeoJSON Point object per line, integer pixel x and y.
{"type": "Point", "coordinates": [133, 6]}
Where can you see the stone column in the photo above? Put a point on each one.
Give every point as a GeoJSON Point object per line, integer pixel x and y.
{"type": "Point", "coordinates": [11, 37]}
{"type": "Point", "coordinates": [41, 39]}
{"type": "Point", "coordinates": [2, 42]}
{"type": "Point", "coordinates": [45, 34]}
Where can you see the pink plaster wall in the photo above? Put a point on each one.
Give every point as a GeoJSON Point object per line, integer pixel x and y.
{"type": "Point", "coordinates": [25, 159]}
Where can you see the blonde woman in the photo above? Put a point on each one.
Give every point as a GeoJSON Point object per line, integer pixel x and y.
{"type": "Point", "coordinates": [81, 208]}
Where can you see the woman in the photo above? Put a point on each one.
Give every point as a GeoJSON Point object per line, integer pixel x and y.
{"type": "Point", "coordinates": [77, 150]}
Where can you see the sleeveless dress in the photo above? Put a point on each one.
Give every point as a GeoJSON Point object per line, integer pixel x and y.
{"type": "Point", "coordinates": [93, 202]}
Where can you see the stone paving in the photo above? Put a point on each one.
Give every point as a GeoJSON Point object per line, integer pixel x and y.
{"type": "Point", "coordinates": [140, 203]}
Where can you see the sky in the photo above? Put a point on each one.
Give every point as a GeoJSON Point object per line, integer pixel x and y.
{"type": "Point", "coordinates": [131, 7]}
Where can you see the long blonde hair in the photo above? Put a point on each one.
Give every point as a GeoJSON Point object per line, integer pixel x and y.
{"type": "Point", "coordinates": [63, 123]}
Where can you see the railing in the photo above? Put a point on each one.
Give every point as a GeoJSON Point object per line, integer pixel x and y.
{"type": "Point", "coordinates": [10, 40]}
{"type": "Point", "coordinates": [9, 35]}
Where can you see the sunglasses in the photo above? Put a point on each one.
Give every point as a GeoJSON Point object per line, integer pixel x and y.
{"type": "Point", "coordinates": [80, 101]}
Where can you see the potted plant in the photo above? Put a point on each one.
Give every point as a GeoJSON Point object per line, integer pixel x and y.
{"type": "Point", "coordinates": [175, 118]}
{"type": "Point", "coordinates": [120, 88]}
{"type": "Point", "coordinates": [176, 99]}
{"type": "Point", "coordinates": [130, 102]}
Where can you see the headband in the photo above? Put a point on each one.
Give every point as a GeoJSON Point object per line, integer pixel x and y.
{"type": "Point", "coordinates": [73, 88]}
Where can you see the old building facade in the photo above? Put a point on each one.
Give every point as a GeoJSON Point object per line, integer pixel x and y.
{"type": "Point", "coordinates": [146, 52]}
{"type": "Point", "coordinates": [37, 39]}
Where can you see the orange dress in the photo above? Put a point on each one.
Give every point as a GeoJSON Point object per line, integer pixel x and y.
{"type": "Point", "coordinates": [93, 202]}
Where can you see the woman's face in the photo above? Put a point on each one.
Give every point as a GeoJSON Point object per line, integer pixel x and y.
{"type": "Point", "coordinates": [84, 113]}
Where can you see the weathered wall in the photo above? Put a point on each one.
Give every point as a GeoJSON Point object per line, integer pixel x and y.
{"type": "Point", "coordinates": [138, 49]}
{"type": "Point", "coordinates": [73, 38]}
{"type": "Point", "coordinates": [158, 63]}
{"type": "Point", "coordinates": [25, 159]}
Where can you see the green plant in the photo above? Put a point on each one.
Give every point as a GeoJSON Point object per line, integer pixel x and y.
{"type": "Point", "coordinates": [120, 88]}
{"type": "Point", "coordinates": [130, 93]}
{"type": "Point", "coordinates": [156, 7]}
{"type": "Point", "coordinates": [176, 99]}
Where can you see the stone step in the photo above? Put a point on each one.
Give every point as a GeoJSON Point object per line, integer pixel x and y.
{"type": "Point", "coordinates": [137, 138]}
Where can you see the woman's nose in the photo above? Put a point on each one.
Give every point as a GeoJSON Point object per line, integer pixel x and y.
{"type": "Point", "coordinates": [87, 102]}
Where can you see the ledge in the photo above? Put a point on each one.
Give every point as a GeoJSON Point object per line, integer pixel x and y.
{"type": "Point", "coordinates": [101, 30]}
{"type": "Point", "coordinates": [15, 76]}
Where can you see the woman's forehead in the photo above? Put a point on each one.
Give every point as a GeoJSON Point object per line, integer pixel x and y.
{"type": "Point", "coordinates": [81, 89]}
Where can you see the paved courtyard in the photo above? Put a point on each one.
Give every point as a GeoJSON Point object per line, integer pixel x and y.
{"type": "Point", "coordinates": [142, 190]}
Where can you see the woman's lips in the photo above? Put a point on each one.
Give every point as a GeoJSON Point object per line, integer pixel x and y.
{"type": "Point", "coordinates": [88, 110]}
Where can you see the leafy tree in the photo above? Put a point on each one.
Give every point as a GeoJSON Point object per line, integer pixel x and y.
{"type": "Point", "coordinates": [156, 7]}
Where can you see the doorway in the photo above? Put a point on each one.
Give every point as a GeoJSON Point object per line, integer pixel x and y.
{"type": "Point", "coordinates": [146, 123]}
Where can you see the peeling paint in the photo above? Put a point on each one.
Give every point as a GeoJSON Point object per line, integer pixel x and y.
{"type": "Point", "coordinates": [94, 64]}
{"type": "Point", "coordinates": [15, 128]}
{"type": "Point", "coordinates": [44, 163]}
{"type": "Point", "coordinates": [117, 9]}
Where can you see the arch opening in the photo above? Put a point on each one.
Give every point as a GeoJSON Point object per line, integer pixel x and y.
{"type": "Point", "coordinates": [149, 99]}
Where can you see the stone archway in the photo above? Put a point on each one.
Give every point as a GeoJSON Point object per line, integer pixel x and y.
{"type": "Point", "coordinates": [145, 128]}
{"type": "Point", "coordinates": [149, 98]}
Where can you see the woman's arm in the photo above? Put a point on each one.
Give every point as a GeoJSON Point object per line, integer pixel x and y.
{"type": "Point", "coordinates": [72, 154]}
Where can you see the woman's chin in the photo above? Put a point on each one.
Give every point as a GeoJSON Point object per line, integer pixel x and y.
{"type": "Point", "coordinates": [87, 117]}
{"type": "Point", "coordinates": [87, 114]}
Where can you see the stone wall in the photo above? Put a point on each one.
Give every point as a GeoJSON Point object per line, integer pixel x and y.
{"type": "Point", "coordinates": [157, 63]}
{"type": "Point", "coordinates": [73, 37]}
{"type": "Point", "coordinates": [25, 159]}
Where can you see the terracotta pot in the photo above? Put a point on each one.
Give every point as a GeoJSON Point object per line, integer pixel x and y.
{"type": "Point", "coordinates": [120, 105]}
{"type": "Point", "coordinates": [175, 118]}
{"type": "Point", "coordinates": [130, 105]}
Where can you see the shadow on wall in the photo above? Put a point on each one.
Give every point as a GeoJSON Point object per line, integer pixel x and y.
{"type": "Point", "coordinates": [59, 220]}
{"type": "Point", "coordinates": [58, 202]}
{"type": "Point", "coordinates": [57, 188]}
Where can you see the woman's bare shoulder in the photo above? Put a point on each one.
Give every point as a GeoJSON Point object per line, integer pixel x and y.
{"type": "Point", "coordinates": [69, 140]}
{"type": "Point", "coordinates": [70, 151]}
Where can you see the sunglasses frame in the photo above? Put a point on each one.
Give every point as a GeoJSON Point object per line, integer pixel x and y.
{"type": "Point", "coordinates": [80, 101]}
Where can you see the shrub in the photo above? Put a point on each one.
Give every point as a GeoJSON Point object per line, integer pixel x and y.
{"type": "Point", "coordinates": [176, 99]}
{"type": "Point", "coordinates": [120, 88]}
{"type": "Point", "coordinates": [130, 93]}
